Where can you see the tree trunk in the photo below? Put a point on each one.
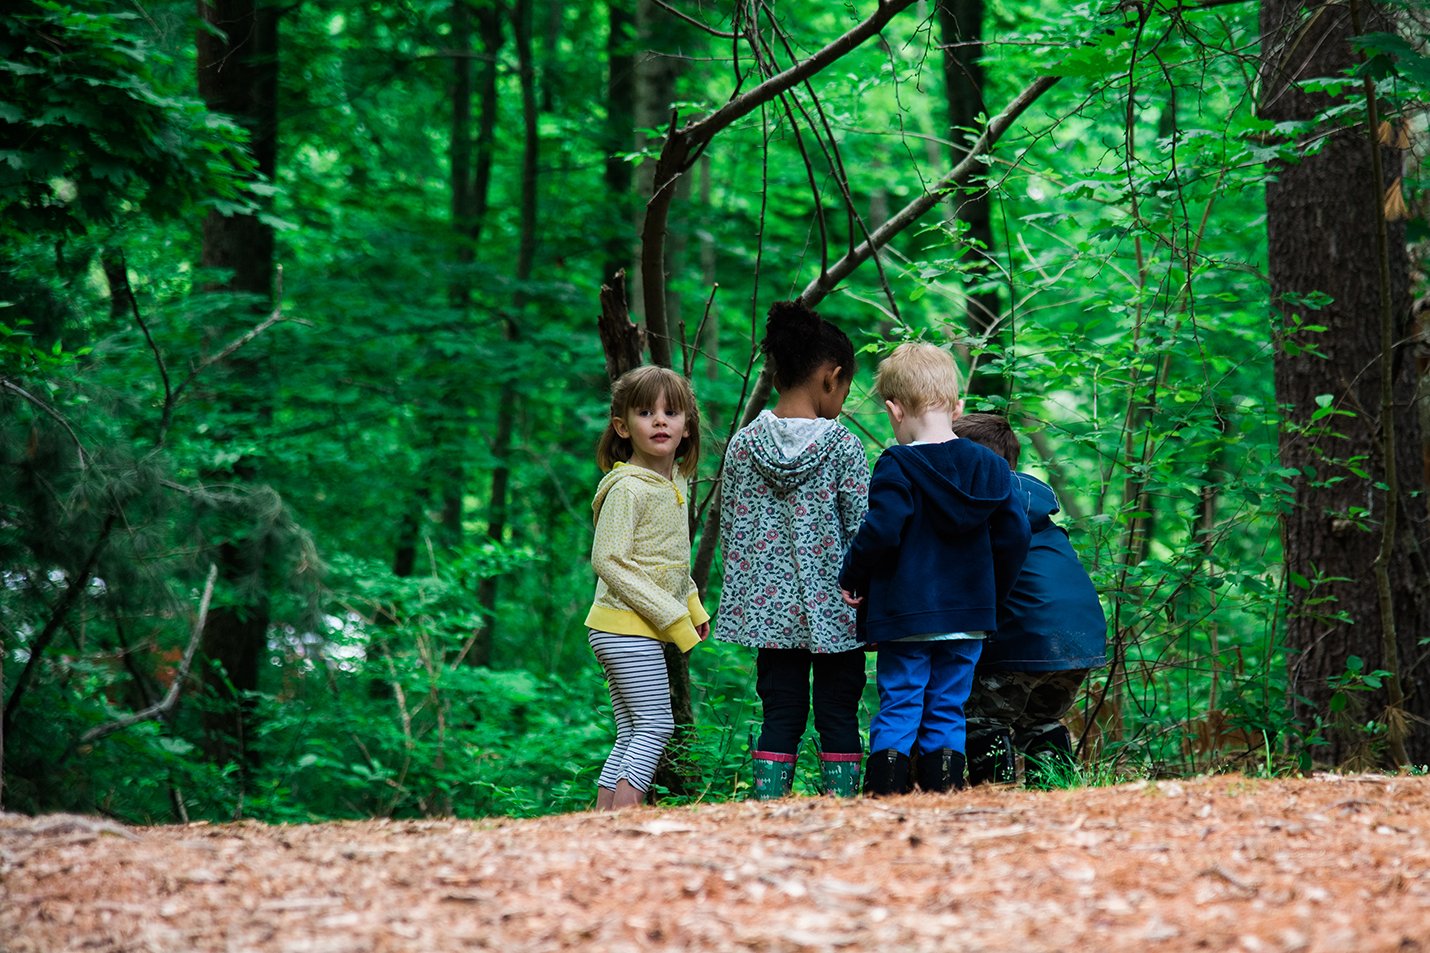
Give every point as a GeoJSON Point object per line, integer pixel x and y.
{"type": "Point", "coordinates": [238, 75]}
{"type": "Point", "coordinates": [1324, 221]}
{"type": "Point", "coordinates": [657, 70]}
{"type": "Point", "coordinates": [961, 28]}
{"type": "Point", "coordinates": [620, 133]}
{"type": "Point", "coordinates": [497, 504]}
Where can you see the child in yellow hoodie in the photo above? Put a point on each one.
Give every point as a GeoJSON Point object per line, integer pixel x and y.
{"type": "Point", "coordinates": [641, 554]}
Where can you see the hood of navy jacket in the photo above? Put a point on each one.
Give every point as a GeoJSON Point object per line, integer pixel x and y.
{"type": "Point", "coordinates": [787, 451]}
{"type": "Point", "coordinates": [962, 481]}
{"type": "Point", "coordinates": [1037, 498]}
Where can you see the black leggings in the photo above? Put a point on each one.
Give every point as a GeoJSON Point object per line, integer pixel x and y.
{"type": "Point", "coordinates": [782, 679]}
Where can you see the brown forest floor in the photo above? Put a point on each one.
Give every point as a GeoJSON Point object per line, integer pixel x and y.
{"type": "Point", "coordinates": [1327, 863]}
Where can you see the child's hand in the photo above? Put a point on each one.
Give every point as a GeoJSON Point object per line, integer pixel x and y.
{"type": "Point", "coordinates": [850, 598]}
{"type": "Point", "coordinates": [703, 630]}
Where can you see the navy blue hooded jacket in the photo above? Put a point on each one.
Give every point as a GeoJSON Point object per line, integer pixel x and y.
{"type": "Point", "coordinates": [941, 545]}
{"type": "Point", "coordinates": [1051, 621]}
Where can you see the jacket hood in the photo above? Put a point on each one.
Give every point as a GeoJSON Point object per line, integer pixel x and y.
{"type": "Point", "coordinates": [626, 471]}
{"type": "Point", "coordinates": [787, 452]}
{"type": "Point", "coordinates": [962, 482]}
{"type": "Point", "coordinates": [1037, 498]}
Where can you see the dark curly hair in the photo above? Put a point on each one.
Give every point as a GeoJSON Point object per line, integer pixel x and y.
{"type": "Point", "coordinates": [800, 342]}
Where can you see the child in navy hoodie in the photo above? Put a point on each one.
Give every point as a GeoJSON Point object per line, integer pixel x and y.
{"type": "Point", "coordinates": [1051, 631]}
{"type": "Point", "coordinates": [939, 549]}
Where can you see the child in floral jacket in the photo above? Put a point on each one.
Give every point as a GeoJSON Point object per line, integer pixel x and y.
{"type": "Point", "coordinates": [793, 493]}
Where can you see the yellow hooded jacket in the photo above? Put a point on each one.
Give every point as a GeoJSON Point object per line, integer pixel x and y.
{"type": "Point", "coordinates": [641, 555]}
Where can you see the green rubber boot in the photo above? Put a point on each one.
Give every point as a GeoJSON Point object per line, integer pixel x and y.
{"type": "Point", "coordinates": [839, 773]}
{"type": "Point", "coordinates": [774, 774]}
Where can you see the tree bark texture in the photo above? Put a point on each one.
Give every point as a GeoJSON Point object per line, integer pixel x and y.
{"type": "Point", "coordinates": [620, 133]}
{"type": "Point", "coordinates": [238, 75]}
{"type": "Point", "coordinates": [961, 30]}
{"type": "Point", "coordinates": [1322, 237]}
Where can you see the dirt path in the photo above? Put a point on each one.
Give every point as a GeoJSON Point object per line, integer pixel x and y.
{"type": "Point", "coordinates": [1323, 864]}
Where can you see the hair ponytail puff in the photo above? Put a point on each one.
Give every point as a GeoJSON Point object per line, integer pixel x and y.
{"type": "Point", "coordinates": [792, 341]}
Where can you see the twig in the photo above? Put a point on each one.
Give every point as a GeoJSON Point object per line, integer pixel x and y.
{"type": "Point", "coordinates": [171, 400]}
{"type": "Point", "coordinates": [162, 708]}
{"type": "Point", "coordinates": [143, 326]}
{"type": "Point", "coordinates": [694, 22]}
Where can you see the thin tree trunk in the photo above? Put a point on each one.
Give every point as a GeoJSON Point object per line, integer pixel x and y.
{"type": "Point", "coordinates": [620, 133]}
{"type": "Point", "coordinates": [961, 28]}
{"type": "Point", "coordinates": [498, 503]}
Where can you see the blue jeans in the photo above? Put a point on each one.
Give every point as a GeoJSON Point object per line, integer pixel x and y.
{"type": "Point", "coordinates": [923, 687]}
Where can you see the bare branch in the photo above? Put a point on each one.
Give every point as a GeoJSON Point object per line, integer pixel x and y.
{"type": "Point", "coordinates": [171, 399]}
{"type": "Point", "coordinates": [143, 326]}
{"type": "Point", "coordinates": [744, 104]}
{"type": "Point", "coordinates": [820, 287]}
{"type": "Point", "coordinates": [77, 585]}
{"type": "Point", "coordinates": [684, 145]}
{"type": "Point", "coordinates": [694, 22]}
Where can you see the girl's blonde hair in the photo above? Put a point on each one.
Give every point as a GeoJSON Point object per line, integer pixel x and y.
{"type": "Point", "coordinates": [918, 376]}
{"type": "Point", "coordinates": [640, 389]}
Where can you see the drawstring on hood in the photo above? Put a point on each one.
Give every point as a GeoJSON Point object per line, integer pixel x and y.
{"type": "Point", "coordinates": [623, 471]}
{"type": "Point", "coordinates": [1038, 499]}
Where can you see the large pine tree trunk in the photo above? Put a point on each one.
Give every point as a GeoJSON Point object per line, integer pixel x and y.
{"type": "Point", "coordinates": [238, 75]}
{"type": "Point", "coordinates": [1323, 219]}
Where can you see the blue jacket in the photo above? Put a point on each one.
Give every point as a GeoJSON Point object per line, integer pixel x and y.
{"type": "Point", "coordinates": [1051, 621]}
{"type": "Point", "coordinates": [942, 542]}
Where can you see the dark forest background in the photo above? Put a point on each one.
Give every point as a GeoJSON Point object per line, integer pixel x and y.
{"type": "Point", "coordinates": [304, 350]}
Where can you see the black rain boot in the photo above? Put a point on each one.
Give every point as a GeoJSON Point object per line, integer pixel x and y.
{"type": "Point", "coordinates": [1049, 761]}
{"type": "Point", "coordinates": [991, 759]}
{"type": "Point", "coordinates": [941, 770]}
{"type": "Point", "coordinates": [886, 772]}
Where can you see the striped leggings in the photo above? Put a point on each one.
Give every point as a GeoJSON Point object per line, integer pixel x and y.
{"type": "Point", "coordinates": [640, 699]}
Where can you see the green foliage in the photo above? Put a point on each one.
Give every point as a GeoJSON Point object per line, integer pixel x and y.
{"type": "Point", "coordinates": [88, 131]}
{"type": "Point", "coordinates": [1132, 347]}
